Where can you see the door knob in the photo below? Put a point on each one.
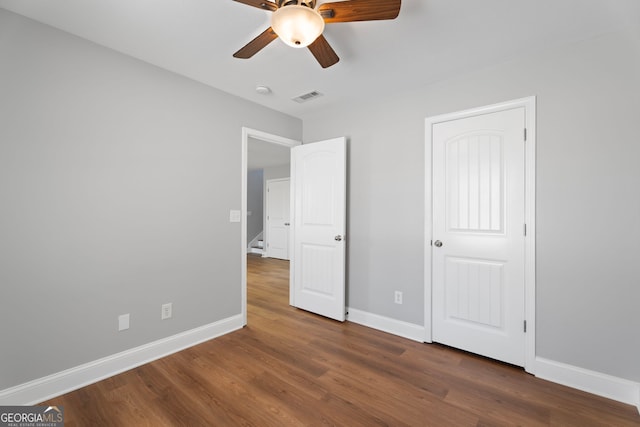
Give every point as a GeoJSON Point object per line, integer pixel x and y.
{"type": "Point", "coordinates": [437, 243]}
{"type": "Point", "coordinates": [286, 223]}
{"type": "Point", "coordinates": [338, 238]}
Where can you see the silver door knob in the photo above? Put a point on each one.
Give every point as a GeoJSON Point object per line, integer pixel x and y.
{"type": "Point", "coordinates": [338, 238]}
{"type": "Point", "coordinates": [437, 243]}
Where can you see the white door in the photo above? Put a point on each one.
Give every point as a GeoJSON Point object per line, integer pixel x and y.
{"type": "Point", "coordinates": [318, 172]}
{"type": "Point", "coordinates": [478, 234]}
{"type": "Point", "coordinates": [278, 211]}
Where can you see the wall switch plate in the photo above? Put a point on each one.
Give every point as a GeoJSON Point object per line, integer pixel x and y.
{"type": "Point", "coordinates": [234, 215]}
{"type": "Point", "coordinates": [123, 322]}
{"type": "Point", "coordinates": [166, 311]}
{"type": "Point", "coordinates": [397, 297]}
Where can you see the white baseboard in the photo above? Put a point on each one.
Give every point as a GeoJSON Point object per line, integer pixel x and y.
{"type": "Point", "coordinates": [254, 241]}
{"type": "Point", "coordinates": [386, 324]}
{"type": "Point", "coordinates": [63, 382]}
{"type": "Point", "coordinates": [604, 385]}
{"type": "Point", "coordinates": [608, 386]}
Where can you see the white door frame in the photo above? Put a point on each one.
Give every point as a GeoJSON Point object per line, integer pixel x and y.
{"type": "Point", "coordinates": [529, 105]}
{"type": "Point", "coordinates": [269, 139]}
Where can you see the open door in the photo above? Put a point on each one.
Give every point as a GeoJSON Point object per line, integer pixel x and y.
{"type": "Point", "coordinates": [318, 173]}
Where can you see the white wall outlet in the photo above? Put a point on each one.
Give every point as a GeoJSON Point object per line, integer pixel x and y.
{"type": "Point", "coordinates": [123, 322]}
{"type": "Point", "coordinates": [397, 298]}
{"type": "Point", "coordinates": [166, 311]}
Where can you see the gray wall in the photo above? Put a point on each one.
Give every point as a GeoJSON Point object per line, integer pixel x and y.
{"type": "Point", "coordinates": [255, 203]}
{"type": "Point", "coordinates": [588, 203]}
{"type": "Point", "coordinates": [275, 172]}
{"type": "Point", "coordinates": [116, 180]}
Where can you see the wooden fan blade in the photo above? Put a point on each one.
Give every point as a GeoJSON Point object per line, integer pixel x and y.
{"type": "Point", "coordinates": [260, 4]}
{"type": "Point", "coordinates": [323, 52]}
{"type": "Point", "coordinates": [359, 10]}
{"type": "Point", "coordinates": [257, 44]}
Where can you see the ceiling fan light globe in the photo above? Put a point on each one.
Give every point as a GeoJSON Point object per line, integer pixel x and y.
{"type": "Point", "coordinates": [298, 26]}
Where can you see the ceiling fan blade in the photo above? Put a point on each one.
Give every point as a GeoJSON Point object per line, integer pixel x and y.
{"type": "Point", "coordinates": [257, 44]}
{"type": "Point", "coordinates": [323, 52]}
{"type": "Point", "coordinates": [359, 10]}
{"type": "Point", "coordinates": [260, 4]}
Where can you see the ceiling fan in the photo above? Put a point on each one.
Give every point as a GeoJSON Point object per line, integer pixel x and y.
{"type": "Point", "coordinates": [300, 24]}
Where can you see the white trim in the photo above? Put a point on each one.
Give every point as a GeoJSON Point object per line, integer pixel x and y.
{"type": "Point", "coordinates": [256, 251]}
{"type": "Point", "coordinates": [529, 105]}
{"type": "Point", "coordinates": [530, 240]}
{"type": "Point", "coordinates": [386, 324]}
{"type": "Point", "coordinates": [268, 138]}
{"type": "Point", "coordinates": [428, 228]}
{"type": "Point", "coordinates": [255, 240]}
{"type": "Point", "coordinates": [604, 385]}
{"type": "Point", "coordinates": [48, 387]}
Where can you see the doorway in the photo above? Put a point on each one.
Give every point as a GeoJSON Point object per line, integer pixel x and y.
{"type": "Point", "coordinates": [480, 231]}
{"type": "Point", "coordinates": [263, 145]}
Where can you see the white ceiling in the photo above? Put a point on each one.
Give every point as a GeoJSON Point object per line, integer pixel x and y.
{"type": "Point", "coordinates": [429, 41]}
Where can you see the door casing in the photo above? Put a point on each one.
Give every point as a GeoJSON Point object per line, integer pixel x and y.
{"type": "Point", "coordinates": [268, 139]}
{"type": "Point", "coordinates": [529, 105]}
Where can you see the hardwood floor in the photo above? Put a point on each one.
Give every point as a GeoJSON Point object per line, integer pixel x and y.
{"type": "Point", "coordinates": [292, 368]}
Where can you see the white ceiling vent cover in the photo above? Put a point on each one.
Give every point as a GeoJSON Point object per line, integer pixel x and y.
{"type": "Point", "coordinates": [307, 97]}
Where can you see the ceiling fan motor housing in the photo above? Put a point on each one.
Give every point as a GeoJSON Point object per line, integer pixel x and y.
{"type": "Point", "coordinates": [308, 3]}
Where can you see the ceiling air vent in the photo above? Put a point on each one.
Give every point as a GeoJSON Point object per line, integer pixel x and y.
{"type": "Point", "coordinates": [307, 97]}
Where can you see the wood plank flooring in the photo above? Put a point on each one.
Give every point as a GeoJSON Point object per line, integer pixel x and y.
{"type": "Point", "coordinates": [292, 368]}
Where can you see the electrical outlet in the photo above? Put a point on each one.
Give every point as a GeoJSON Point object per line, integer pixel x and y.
{"type": "Point", "coordinates": [397, 297]}
{"type": "Point", "coordinates": [123, 322]}
{"type": "Point", "coordinates": [166, 311]}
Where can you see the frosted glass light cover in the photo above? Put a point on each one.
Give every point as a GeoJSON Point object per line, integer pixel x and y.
{"type": "Point", "coordinates": [297, 26]}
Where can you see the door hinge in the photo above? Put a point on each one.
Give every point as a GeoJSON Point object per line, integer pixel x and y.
{"type": "Point", "coordinates": [525, 134]}
{"type": "Point", "coordinates": [525, 229]}
{"type": "Point", "coordinates": [525, 326]}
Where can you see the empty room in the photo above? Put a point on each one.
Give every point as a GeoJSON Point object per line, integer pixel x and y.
{"type": "Point", "coordinates": [299, 212]}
